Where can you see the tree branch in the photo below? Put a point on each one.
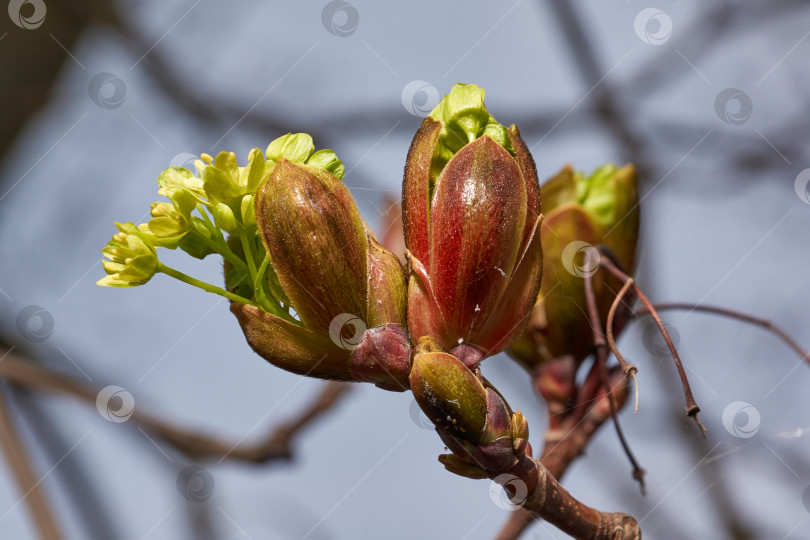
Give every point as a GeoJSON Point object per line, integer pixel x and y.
{"type": "Point", "coordinates": [724, 312]}
{"type": "Point", "coordinates": [276, 445]}
{"type": "Point", "coordinates": [566, 443]}
{"type": "Point", "coordinates": [547, 499]}
{"type": "Point", "coordinates": [692, 408]}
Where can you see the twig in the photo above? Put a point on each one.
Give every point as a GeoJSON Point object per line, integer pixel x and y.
{"type": "Point", "coordinates": [629, 369]}
{"type": "Point", "coordinates": [559, 454]}
{"type": "Point", "coordinates": [692, 408]}
{"type": "Point", "coordinates": [277, 445]}
{"type": "Point", "coordinates": [550, 501]}
{"type": "Point", "coordinates": [27, 482]}
{"type": "Point", "coordinates": [601, 367]}
{"type": "Point", "coordinates": [764, 323]}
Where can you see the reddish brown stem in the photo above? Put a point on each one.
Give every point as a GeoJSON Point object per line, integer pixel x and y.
{"type": "Point", "coordinates": [601, 368]}
{"type": "Point", "coordinates": [764, 323]}
{"type": "Point", "coordinates": [558, 455]}
{"type": "Point", "coordinates": [629, 369]}
{"type": "Point", "coordinates": [692, 408]}
{"type": "Point", "coordinates": [550, 501]}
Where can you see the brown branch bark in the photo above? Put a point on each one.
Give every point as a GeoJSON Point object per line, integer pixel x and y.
{"type": "Point", "coordinates": [547, 499]}
{"type": "Point", "coordinates": [565, 444]}
{"type": "Point", "coordinates": [276, 445]}
{"type": "Point", "coordinates": [27, 481]}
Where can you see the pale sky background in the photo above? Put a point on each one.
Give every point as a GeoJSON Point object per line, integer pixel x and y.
{"type": "Point", "coordinates": [722, 224]}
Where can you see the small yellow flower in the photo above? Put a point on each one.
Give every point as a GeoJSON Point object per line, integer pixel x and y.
{"type": "Point", "coordinates": [132, 258]}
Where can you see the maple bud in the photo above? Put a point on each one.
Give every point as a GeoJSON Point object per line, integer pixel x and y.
{"type": "Point", "coordinates": [471, 212]}
{"type": "Point", "coordinates": [340, 282]}
{"type": "Point", "coordinates": [470, 416]}
{"type": "Point", "coordinates": [581, 213]}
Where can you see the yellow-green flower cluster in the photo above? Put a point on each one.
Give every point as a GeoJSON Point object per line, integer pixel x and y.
{"type": "Point", "coordinates": [132, 258]}
{"type": "Point", "coordinates": [213, 212]}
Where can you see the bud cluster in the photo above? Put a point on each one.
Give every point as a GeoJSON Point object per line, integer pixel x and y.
{"type": "Point", "coordinates": [316, 294]}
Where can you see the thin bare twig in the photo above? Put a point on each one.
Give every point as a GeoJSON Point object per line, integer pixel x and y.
{"type": "Point", "coordinates": [629, 369]}
{"type": "Point", "coordinates": [601, 369]}
{"type": "Point", "coordinates": [692, 408]}
{"type": "Point", "coordinates": [764, 323]}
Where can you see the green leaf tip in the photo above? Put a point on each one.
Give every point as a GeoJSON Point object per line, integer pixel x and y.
{"type": "Point", "coordinates": [464, 118]}
{"type": "Point", "coordinates": [600, 193]}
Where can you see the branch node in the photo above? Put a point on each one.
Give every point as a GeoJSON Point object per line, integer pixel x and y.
{"type": "Point", "coordinates": [692, 411]}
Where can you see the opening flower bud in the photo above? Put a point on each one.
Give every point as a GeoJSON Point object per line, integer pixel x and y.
{"type": "Point", "coordinates": [347, 292]}
{"type": "Point", "coordinates": [471, 210]}
{"type": "Point", "coordinates": [582, 212]}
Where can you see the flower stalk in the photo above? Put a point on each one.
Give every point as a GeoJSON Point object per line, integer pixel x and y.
{"type": "Point", "coordinates": [207, 287]}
